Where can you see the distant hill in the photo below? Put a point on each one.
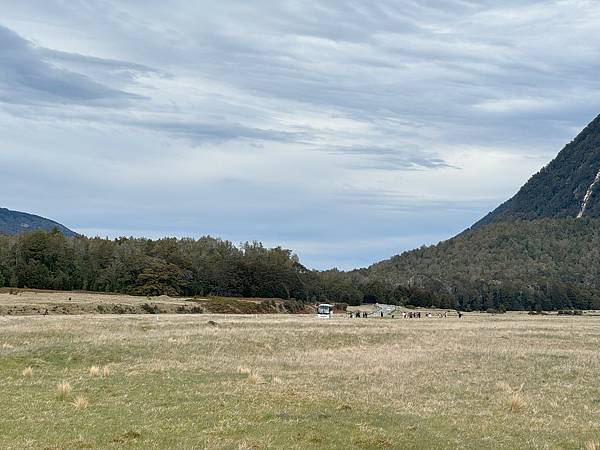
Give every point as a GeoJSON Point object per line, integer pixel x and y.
{"type": "Point", "coordinates": [15, 222]}
{"type": "Point", "coordinates": [567, 187]}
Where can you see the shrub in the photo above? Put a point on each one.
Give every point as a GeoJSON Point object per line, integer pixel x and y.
{"type": "Point", "coordinates": [150, 309]}
{"type": "Point", "coordinates": [293, 306]}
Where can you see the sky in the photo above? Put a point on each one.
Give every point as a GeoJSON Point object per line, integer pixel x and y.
{"type": "Point", "coordinates": [348, 131]}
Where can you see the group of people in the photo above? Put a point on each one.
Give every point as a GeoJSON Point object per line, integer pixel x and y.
{"type": "Point", "coordinates": [417, 315]}
{"type": "Point", "coordinates": [405, 314]}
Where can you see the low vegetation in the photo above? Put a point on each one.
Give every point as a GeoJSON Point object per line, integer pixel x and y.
{"type": "Point", "coordinates": [296, 382]}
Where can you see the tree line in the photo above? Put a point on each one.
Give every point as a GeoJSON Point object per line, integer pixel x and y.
{"type": "Point", "coordinates": [496, 268]}
{"type": "Point", "coordinates": [187, 267]}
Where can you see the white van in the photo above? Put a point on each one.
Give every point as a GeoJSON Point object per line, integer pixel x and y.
{"type": "Point", "coordinates": [325, 311]}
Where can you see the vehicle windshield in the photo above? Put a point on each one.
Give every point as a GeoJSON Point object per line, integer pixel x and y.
{"type": "Point", "coordinates": [323, 309]}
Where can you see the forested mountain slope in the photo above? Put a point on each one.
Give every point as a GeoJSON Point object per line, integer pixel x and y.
{"type": "Point", "coordinates": [562, 187]}
{"type": "Point", "coordinates": [554, 263]}
{"type": "Point", "coordinates": [14, 222]}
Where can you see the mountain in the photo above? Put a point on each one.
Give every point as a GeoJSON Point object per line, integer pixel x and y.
{"type": "Point", "coordinates": [567, 187]}
{"type": "Point", "coordinates": [539, 249]}
{"type": "Point", "coordinates": [15, 222]}
{"type": "Point", "coordinates": [522, 263]}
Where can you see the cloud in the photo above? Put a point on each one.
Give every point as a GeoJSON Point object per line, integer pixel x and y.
{"type": "Point", "coordinates": [76, 58]}
{"type": "Point", "coordinates": [392, 158]}
{"type": "Point", "coordinates": [198, 132]}
{"type": "Point", "coordinates": [27, 77]}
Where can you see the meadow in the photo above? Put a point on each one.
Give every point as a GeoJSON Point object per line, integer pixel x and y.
{"type": "Point", "coordinates": [297, 382]}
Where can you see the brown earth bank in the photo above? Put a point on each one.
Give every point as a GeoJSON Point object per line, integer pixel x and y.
{"type": "Point", "coordinates": [28, 302]}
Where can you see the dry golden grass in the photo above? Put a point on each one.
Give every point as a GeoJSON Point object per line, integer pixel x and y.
{"type": "Point", "coordinates": [244, 370]}
{"type": "Point", "coordinates": [64, 389]}
{"type": "Point", "coordinates": [482, 382]}
{"type": "Point", "coordinates": [39, 302]}
{"type": "Point", "coordinates": [106, 372]}
{"type": "Point", "coordinates": [27, 372]}
{"type": "Point", "coordinates": [503, 386]}
{"type": "Point", "coordinates": [94, 371]}
{"type": "Point", "coordinates": [255, 378]}
{"type": "Point", "coordinates": [80, 403]}
{"type": "Point", "coordinates": [31, 300]}
{"type": "Point", "coordinates": [591, 445]}
{"type": "Point", "coordinates": [517, 403]}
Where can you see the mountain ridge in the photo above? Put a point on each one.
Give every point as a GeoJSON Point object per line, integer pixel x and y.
{"type": "Point", "coordinates": [565, 187]}
{"type": "Point", "coordinates": [15, 222]}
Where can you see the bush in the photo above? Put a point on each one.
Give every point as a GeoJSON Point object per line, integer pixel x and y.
{"type": "Point", "coordinates": [150, 309]}
{"type": "Point", "coordinates": [293, 306]}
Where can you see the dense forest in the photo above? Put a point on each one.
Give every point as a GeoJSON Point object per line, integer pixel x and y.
{"type": "Point", "coordinates": [546, 264]}
{"type": "Point", "coordinates": [206, 266]}
{"type": "Point", "coordinates": [542, 264]}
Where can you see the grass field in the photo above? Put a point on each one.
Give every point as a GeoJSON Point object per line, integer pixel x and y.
{"type": "Point", "coordinates": [296, 382]}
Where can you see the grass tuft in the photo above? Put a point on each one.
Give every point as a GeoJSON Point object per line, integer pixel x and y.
{"type": "Point", "coordinates": [94, 371]}
{"type": "Point", "coordinates": [503, 387]}
{"type": "Point", "coordinates": [516, 402]}
{"type": "Point", "coordinates": [64, 390]}
{"type": "Point", "coordinates": [244, 370]}
{"type": "Point", "coordinates": [255, 378]}
{"type": "Point", "coordinates": [80, 403]}
{"type": "Point", "coordinates": [591, 445]}
{"type": "Point", "coordinates": [27, 372]}
{"type": "Point", "coordinates": [106, 372]}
